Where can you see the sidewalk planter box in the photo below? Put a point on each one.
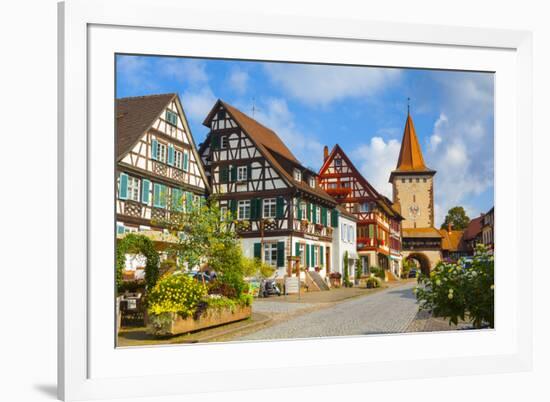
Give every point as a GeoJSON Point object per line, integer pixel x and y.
{"type": "Point", "coordinates": [169, 324]}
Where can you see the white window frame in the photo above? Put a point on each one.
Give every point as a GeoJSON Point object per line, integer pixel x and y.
{"type": "Point", "coordinates": [161, 152]}
{"type": "Point", "coordinates": [297, 175]}
{"type": "Point", "coordinates": [312, 182]}
{"type": "Point", "coordinates": [134, 188]}
{"type": "Point", "coordinates": [318, 215]}
{"type": "Point", "coordinates": [243, 210]}
{"type": "Point", "coordinates": [316, 250]}
{"type": "Point", "coordinates": [270, 254]}
{"type": "Point", "coordinates": [302, 255]}
{"type": "Point", "coordinates": [223, 212]}
{"type": "Point", "coordinates": [269, 205]}
{"type": "Point", "coordinates": [178, 159]}
{"type": "Point", "coordinates": [303, 208]}
{"type": "Point", "coordinates": [343, 232]}
{"type": "Point", "coordinates": [242, 173]}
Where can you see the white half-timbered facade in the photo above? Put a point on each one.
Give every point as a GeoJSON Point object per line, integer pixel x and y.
{"type": "Point", "coordinates": [278, 206]}
{"type": "Point", "coordinates": [158, 167]}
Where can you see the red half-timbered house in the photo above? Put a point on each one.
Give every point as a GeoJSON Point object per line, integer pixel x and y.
{"type": "Point", "coordinates": [378, 222]}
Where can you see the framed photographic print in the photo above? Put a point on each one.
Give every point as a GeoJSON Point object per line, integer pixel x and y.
{"type": "Point", "coordinates": [320, 192]}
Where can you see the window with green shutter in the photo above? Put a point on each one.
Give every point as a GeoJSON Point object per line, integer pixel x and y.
{"type": "Point", "coordinates": [322, 255]}
{"type": "Point", "coordinates": [371, 231]}
{"type": "Point", "coordinates": [145, 191]}
{"type": "Point", "coordinates": [256, 208]}
{"type": "Point", "coordinates": [324, 216]}
{"type": "Point", "coordinates": [279, 208]}
{"type": "Point", "coordinates": [249, 171]}
{"type": "Point", "coordinates": [224, 175]}
{"type": "Point", "coordinates": [123, 186]}
{"type": "Point", "coordinates": [307, 256]}
{"type": "Point", "coordinates": [158, 195]}
{"type": "Point", "coordinates": [281, 254]}
{"type": "Point", "coordinates": [154, 149]}
{"type": "Point", "coordinates": [258, 250]}
{"type": "Point", "coordinates": [314, 213]}
{"type": "Point", "coordinates": [308, 212]}
{"type": "Point", "coordinates": [176, 199]}
{"type": "Point", "coordinates": [232, 173]}
{"type": "Point", "coordinates": [233, 207]}
{"type": "Point", "coordinates": [186, 161]}
{"type": "Point", "coordinates": [215, 141]}
{"type": "Point", "coordinates": [188, 201]}
{"type": "Point", "coordinates": [297, 249]}
{"type": "Point", "coordinates": [171, 155]}
{"type": "Point", "coordinates": [171, 117]}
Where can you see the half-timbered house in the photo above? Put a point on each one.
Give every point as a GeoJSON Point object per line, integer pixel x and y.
{"type": "Point", "coordinates": [279, 208]}
{"type": "Point", "coordinates": [158, 168]}
{"type": "Point", "coordinates": [378, 222]}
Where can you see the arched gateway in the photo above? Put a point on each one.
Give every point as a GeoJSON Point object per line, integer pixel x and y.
{"type": "Point", "coordinates": [425, 260]}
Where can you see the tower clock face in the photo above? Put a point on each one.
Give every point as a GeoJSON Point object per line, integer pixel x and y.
{"type": "Point", "coordinates": [414, 210]}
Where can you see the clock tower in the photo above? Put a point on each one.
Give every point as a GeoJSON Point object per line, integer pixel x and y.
{"type": "Point", "coordinates": [412, 182]}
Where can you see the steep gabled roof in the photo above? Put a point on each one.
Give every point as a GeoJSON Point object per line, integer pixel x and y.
{"type": "Point", "coordinates": [421, 233]}
{"type": "Point", "coordinates": [380, 199]}
{"type": "Point", "coordinates": [270, 146]}
{"type": "Point", "coordinates": [134, 116]}
{"type": "Point", "coordinates": [451, 241]}
{"type": "Point", "coordinates": [474, 228]}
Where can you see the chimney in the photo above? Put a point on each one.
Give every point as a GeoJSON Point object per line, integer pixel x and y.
{"type": "Point", "coordinates": [449, 227]}
{"type": "Point", "coordinates": [325, 152]}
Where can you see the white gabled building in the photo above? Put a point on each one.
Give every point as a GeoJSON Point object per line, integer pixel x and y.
{"type": "Point", "coordinates": [157, 163]}
{"type": "Point", "coordinates": [345, 239]}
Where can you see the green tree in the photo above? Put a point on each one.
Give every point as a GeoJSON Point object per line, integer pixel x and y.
{"type": "Point", "coordinates": [134, 243]}
{"type": "Point", "coordinates": [457, 217]}
{"type": "Point", "coordinates": [358, 270]}
{"type": "Point", "coordinates": [347, 282]}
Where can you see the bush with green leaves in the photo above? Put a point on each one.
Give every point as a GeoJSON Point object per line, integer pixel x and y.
{"type": "Point", "coordinates": [133, 243]}
{"type": "Point", "coordinates": [373, 282]}
{"type": "Point", "coordinates": [461, 291]}
{"type": "Point", "coordinates": [358, 270]}
{"type": "Point", "coordinates": [378, 272]}
{"type": "Point", "coordinates": [179, 294]}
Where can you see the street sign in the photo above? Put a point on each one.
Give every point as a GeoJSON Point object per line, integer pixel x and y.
{"type": "Point", "coordinates": [292, 285]}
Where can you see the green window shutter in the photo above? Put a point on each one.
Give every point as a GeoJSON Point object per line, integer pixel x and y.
{"type": "Point", "coordinates": [298, 203]}
{"type": "Point", "coordinates": [233, 173]}
{"type": "Point", "coordinates": [145, 191]}
{"type": "Point", "coordinates": [170, 155]}
{"type": "Point", "coordinates": [186, 161]}
{"type": "Point", "coordinates": [258, 250]}
{"type": "Point", "coordinates": [154, 149]}
{"type": "Point", "coordinates": [177, 199]}
{"type": "Point", "coordinates": [279, 208]}
{"type": "Point", "coordinates": [188, 201]}
{"type": "Point", "coordinates": [297, 249]}
{"type": "Point", "coordinates": [307, 255]}
{"type": "Point", "coordinates": [324, 216]}
{"type": "Point", "coordinates": [156, 195]}
{"type": "Point", "coordinates": [123, 186]}
{"type": "Point", "coordinates": [120, 229]}
{"type": "Point", "coordinates": [215, 141]}
{"type": "Point", "coordinates": [255, 208]}
{"type": "Point", "coordinates": [249, 171]}
{"type": "Point", "coordinates": [308, 211]}
{"type": "Point", "coordinates": [223, 174]}
{"type": "Point", "coordinates": [233, 207]}
{"type": "Point", "coordinates": [334, 218]}
{"type": "Point", "coordinates": [321, 255]}
{"type": "Point", "coordinates": [163, 195]}
{"type": "Point", "coordinates": [371, 231]}
{"type": "Point", "coordinates": [281, 254]}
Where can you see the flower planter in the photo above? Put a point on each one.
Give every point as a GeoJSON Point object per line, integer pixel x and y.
{"type": "Point", "coordinates": [169, 324]}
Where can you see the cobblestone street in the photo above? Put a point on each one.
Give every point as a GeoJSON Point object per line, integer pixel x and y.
{"type": "Point", "coordinates": [387, 311]}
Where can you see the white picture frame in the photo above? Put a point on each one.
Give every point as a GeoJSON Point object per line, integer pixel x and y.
{"type": "Point", "coordinates": [90, 32]}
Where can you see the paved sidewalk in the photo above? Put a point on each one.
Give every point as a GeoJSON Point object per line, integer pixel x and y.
{"type": "Point", "coordinates": [389, 310]}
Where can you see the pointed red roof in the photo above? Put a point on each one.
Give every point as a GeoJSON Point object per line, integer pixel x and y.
{"type": "Point", "coordinates": [410, 156]}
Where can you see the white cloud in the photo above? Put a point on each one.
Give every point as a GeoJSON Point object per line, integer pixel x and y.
{"type": "Point", "coordinates": [198, 103]}
{"type": "Point", "coordinates": [461, 145]}
{"type": "Point", "coordinates": [189, 71]}
{"type": "Point", "coordinates": [275, 114]}
{"type": "Point", "coordinates": [238, 80]}
{"type": "Point", "coordinates": [375, 161]}
{"type": "Point", "coordinates": [322, 85]}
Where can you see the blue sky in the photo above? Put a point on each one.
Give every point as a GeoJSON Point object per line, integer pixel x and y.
{"type": "Point", "coordinates": [361, 108]}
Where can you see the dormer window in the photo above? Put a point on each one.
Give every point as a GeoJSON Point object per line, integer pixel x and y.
{"type": "Point", "coordinates": [297, 175]}
{"type": "Point", "coordinates": [338, 162]}
{"type": "Point", "coordinates": [312, 182]}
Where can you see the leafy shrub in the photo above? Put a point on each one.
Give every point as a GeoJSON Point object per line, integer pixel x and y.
{"type": "Point", "coordinates": [378, 272]}
{"type": "Point", "coordinates": [134, 243]}
{"type": "Point", "coordinates": [373, 282]}
{"type": "Point", "coordinates": [167, 267]}
{"type": "Point", "coordinates": [461, 291]}
{"type": "Point", "coordinates": [179, 294]}
{"type": "Point", "coordinates": [245, 300]}
{"type": "Point", "coordinates": [220, 303]}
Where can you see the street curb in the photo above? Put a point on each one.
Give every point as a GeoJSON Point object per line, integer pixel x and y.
{"type": "Point", "coordinates": [233, 330]}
